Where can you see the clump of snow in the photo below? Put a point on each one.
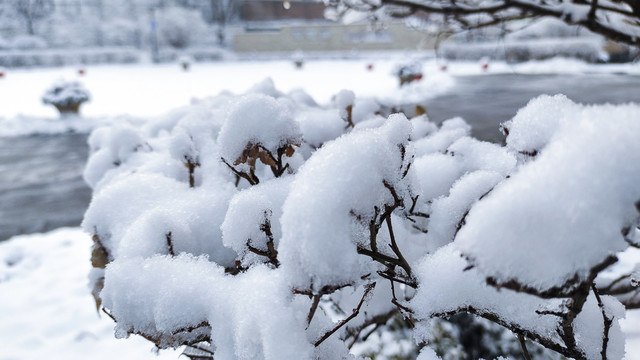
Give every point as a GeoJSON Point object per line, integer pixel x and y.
{"type": "Point", "coordinates": [427, 354]}
{"type": "Point", "coordinates": [66, 93]}
{"type": "Point", "coordinates": [450, 131]}
{"type": "Point", "coordinates": [253, 218]}
{"type": "Point", "coordinates": [447, 213]}
{"type": "Point", "coordinates": [534, 125]}
{"type": "Point", "coordinates": [260, 121]}
{"type": "Point", "coordinates": [589, 327]}
{"type": "Point", "coordinates": [320, 125]}
{"type": "Point", "coordinates": [268, 269]}
{"type": "Point", "coordinates": [344, 102]}
{"type": "Point", "coordinates": [581, 188]}
{"type": "Point", "coordinates": [344, 179]}
{"type": "Point", "coordinates": [45, 305]}
{"type": "Point", "coordinates": [447, 286]}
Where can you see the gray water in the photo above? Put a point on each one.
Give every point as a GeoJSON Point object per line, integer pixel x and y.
{"type": "Point", "coordinates": [487, 101]}
{"type": "Point", "coordinates": [41, 186]}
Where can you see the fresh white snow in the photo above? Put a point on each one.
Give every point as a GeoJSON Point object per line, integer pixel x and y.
{"type": "Point", "coordinates": [50, 311]}
{"type": "Point", "coordinates": [46, 307]}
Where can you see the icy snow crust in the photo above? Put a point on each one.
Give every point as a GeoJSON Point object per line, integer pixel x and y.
{"type": "Point", "coordinates": [209, 239]}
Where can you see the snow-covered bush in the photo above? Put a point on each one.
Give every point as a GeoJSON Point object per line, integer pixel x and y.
{"type": "Point", "coordinates": [407, 73]}
{"type": "Point", "coordinates": [27, 42]}
{"type": "Point", "coordinates": [179, 27]}
{"type": "Point", "coordinates": [265, 226]}
{"type": "Point", "coordinates": [66, 96]}
{"type": "Point", "coordinates": [185, 62]}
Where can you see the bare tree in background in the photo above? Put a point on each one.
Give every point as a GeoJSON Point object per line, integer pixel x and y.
{"type": "Point", "coordinates": [32, 11]}
{"type": "Point", "coordinates": [618, 20]}
{"type": "Point", "coordinates": [223, 11]}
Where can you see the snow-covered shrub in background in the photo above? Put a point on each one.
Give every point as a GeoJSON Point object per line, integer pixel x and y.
{"type": "Point", "coordinates": [66, 96]}
{"type": "Point", "coordinates": [265, 226]}
{"type": "Point", "coordinates": [28, 42]}
{"type": "Point", "coordinates": [179, 27]}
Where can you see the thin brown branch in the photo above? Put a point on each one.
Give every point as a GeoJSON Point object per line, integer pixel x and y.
{"type": "Point", "coordinates": [541, 339]}
{"type": "Point", "coordinates": [251, 178]}
{"type": "Point", "coordinates": [314, 306]}
{"type": "Point", "coordinates": [568, 289]}
{"type": "Point", "coordinates": [394, 246]}
{"type": "Point", "coordinates": [523, 345]}
{"type": "Point", "coordinates": [607, 321]}
{"type": "Point", "coordinates": [191, 166]}
{"type": "Point", "coordinates": [379, 257]}
{"type": "Point", "coordinates": [356, 311]}
{"type": "Point", "coordinates": [170, 244]}
{"type": "Point", "coordinates": [498, 12]}
{"type": "Point", "coordinates": [403, 309]}
{"type": "Point", "coordinates": [390, 275]}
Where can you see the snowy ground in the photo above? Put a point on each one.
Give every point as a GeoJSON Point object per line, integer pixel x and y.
{"type": "Point", "coordinates": [149, 90]}
{"type": "Point", "coordinates": [46, 307]}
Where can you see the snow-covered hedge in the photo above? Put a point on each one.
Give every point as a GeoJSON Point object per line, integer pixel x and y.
{"type": "Point", "coordinates": [62, 57]}
{"type": "Point", "coordinates": [587, 49]}
{"type": "Point", "coordinates": [265, 226]}
{"type": "Point", "coordinates": [66, 96]}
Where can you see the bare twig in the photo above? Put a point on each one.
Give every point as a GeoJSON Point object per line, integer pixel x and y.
{"type": "Point", "coordinates": [251, 177]}
{"type": "Point", "coordinates": [367, 289]}
{"type": "Point", "coordinates": [314, 306]}
{"type": "Point", "coordinates": [394, 246]}
{"type": "Point", "coordinates": [170, 244]}
{"type": "Point", "coordinates": [523, 345]}
{"type": "Point", "coordinates": [606, 320]}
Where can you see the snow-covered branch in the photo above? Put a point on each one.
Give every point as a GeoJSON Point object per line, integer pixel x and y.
{"type": "Point", "coordinates": [616, 20]}
{"type": "Point", "coordinates": [352, 224]}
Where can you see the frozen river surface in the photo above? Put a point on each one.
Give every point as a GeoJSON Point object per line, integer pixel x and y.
{"type": "Point", "coordinates": [41, 186]}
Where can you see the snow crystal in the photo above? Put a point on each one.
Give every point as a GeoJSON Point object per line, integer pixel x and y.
{"type": "Point", "coordinates": [561, 215]}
